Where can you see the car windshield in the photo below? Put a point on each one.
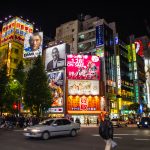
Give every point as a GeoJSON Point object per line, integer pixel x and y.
{"type": "Point", "coordinates": [46, 122]}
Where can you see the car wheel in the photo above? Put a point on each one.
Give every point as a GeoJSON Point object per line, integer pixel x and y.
{"type": "Point", "coordinates": [73, 133]}
{"type": "Point", "coordinates": [45, 135]}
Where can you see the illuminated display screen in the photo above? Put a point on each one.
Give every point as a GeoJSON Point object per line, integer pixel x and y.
{"type": "Point", "coordinates": [85, 67]}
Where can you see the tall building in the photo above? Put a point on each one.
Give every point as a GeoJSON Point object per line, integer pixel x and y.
{"type": "Point", "coordinates": [95, 36]}
{"type": "Point", "coordinates": [125, 89]}
{"type": "Point", "coordinates": [12, 40]}
{"type": "Point", "coordinates": [139, 78]}
{"type": "Point", "coordinates": [68, 33]}
{"type": "Point", "coordinates": [143, 50]}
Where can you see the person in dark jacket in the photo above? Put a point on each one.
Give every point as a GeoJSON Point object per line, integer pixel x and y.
{"type": "Point", "coordinates": [106, 132]}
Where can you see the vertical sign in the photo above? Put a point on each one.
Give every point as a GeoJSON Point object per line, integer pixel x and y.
{"type": "Point", "coordinates": [99, 35]}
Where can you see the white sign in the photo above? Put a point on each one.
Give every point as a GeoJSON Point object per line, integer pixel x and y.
{"type": "Point", "coordinates": [83, 87]}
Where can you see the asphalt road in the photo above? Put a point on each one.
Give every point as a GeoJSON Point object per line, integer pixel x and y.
{"type": "Point", "coordinates": [88, 139]}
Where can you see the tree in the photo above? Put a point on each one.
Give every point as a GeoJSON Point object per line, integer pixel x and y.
{"type": "Point", "coordinates": [11, 95]}
{"type": "Point", "coordinates": [3, 84]}
{"type": "Point", "coordinates": [36, 93]}
{"type": "Point", "coordinates": [19, 73]}
{"type": "Point", "coordinates": [19, 76]}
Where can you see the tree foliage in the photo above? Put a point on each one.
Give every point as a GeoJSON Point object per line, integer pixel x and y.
{"type": "Point", "coordinates": [3, 84]}
{"type": "Point", "coordinates": [12, 94]}
{"type": "Point", "coordinates": [19, 73]}
{"type": "Point", "coordinates": [37, 95]}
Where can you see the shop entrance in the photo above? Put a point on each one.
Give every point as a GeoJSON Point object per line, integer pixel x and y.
{"type": "Point", "coordinates": [84, 119]}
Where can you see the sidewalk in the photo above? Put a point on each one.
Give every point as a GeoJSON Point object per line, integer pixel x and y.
{"type": "Point", "coordinates": [95, 125]}
{"type": "Point", "coordinates": [132, 125]}
{"type": "Point", "coordinates": [90, 125]}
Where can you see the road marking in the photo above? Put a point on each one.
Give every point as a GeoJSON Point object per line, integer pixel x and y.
{"type": "Point", "coordinates": [18, 130]}
{"type": "Point", "coordinates": [117, 137]}
{"type": "Point", "coordinates": [142, 139]}
{"type": "Point", "coordinates": [95, 134]}
{"type": "Point", "coordinates": [114, 137]}
{"type": "Point", "coordinates": [125, 134]}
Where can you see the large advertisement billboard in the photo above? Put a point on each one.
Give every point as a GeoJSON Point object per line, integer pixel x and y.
{"type": "Point", "coordinates": [83, 87]}
{"type": "Point", "coordinates": [55, 57]}
{"type": "Point", "coordinates": [85, 67]}
{"type": "Point", "coordinates": [15, 29]}
{"type": "Point", "coordinates": [83, 103]}
{"type": "Point", "coordinates": [56, 85]}
{"type": "Point", "coordinates": [33, 45]}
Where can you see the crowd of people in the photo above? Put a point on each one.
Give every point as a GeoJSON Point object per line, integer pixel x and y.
{"type": "Point", "coordinates": [12, 121]}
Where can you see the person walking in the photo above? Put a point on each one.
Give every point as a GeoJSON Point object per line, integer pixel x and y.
{"type": "Point", "coordinates": [106, 132]}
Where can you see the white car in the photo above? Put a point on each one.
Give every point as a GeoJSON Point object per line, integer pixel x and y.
{"type": "Point", "coordinates": [52, 127]}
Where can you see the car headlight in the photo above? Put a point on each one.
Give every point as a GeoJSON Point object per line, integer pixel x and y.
{"type": "Point", "coordinates": [25, 129]}
{"type": "Point", "coordinates": [35, 130]}
{"type": "Point", "coordinates": [138, 123]}
{"type": "Point", "coordinates": [146, 123]}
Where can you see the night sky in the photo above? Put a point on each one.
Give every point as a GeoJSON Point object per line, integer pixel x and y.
{"type": "Point", "coordinates": [48, 14]}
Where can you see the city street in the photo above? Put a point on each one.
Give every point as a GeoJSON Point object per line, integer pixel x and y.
{"type": "Point", "coordinates": [88, 139]}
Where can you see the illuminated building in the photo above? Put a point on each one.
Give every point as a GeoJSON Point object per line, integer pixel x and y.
{"type": "Point", "coordinates": [125, 86]}
{"type": "Point", "coordinates": [138, 67]}
{"type": "Point", "coordinates": [12, 40]}
{"type": "Point", "coordinates": [95, 37]}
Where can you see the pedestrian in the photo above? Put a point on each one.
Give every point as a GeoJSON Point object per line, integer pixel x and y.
{"type": "Point", "coordinates": [87, 121]}
{"type": "Point", "coordinates": [106, 132]}
{"type": "Point", "coordinates": [97, 121]}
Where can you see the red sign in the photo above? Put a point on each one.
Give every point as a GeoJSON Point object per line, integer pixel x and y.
{"type": "Point", "coordinates": [139, 47]}
{"type": "Point", "coordinates": [83, 67]}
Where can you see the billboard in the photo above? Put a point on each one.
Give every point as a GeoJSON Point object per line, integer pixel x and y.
{"type": "Point", "coordinates": [33, 45]}
{"type": "Point", "coordinates": [55, 57]}
{"type": "Point", "coordinates": [85, 67]}
{"type": "Point", "coordinates": [15, 29]}
{"type": "Point", "coordinates": [56, 85]}
{"type": "Point", "coordinates": [83, 87]}
{"type": "Point", "coordinates": [83, 103]}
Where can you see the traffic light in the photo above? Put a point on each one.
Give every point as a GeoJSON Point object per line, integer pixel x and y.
{"type": "Point", "coordinates": [14, 106]}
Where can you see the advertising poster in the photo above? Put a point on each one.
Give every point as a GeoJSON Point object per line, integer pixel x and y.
{"type": "Point", "coordinates": [33, 45]}
{"type": "Point", "coordinates": [83, 103]}
{"type": "Point", "coordinates": [55, 57]}
{"type": "Point", "coordinates": [85, 67]}
{"type": "Point", "coordinates": [83, 87]}
{"type": "Point", "coordinates": [56, 85]}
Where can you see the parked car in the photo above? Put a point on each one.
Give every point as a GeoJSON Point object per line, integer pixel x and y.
{"type": "Point", "coordinates": [144, 122]}
{"type": "Point", "coordinates": [119, 122]}
{"type": "Point", "coordinates": [52, 127]}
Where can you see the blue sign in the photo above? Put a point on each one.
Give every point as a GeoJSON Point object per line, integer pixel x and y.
{"type": "Point", "coordinates": [99, 35]}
